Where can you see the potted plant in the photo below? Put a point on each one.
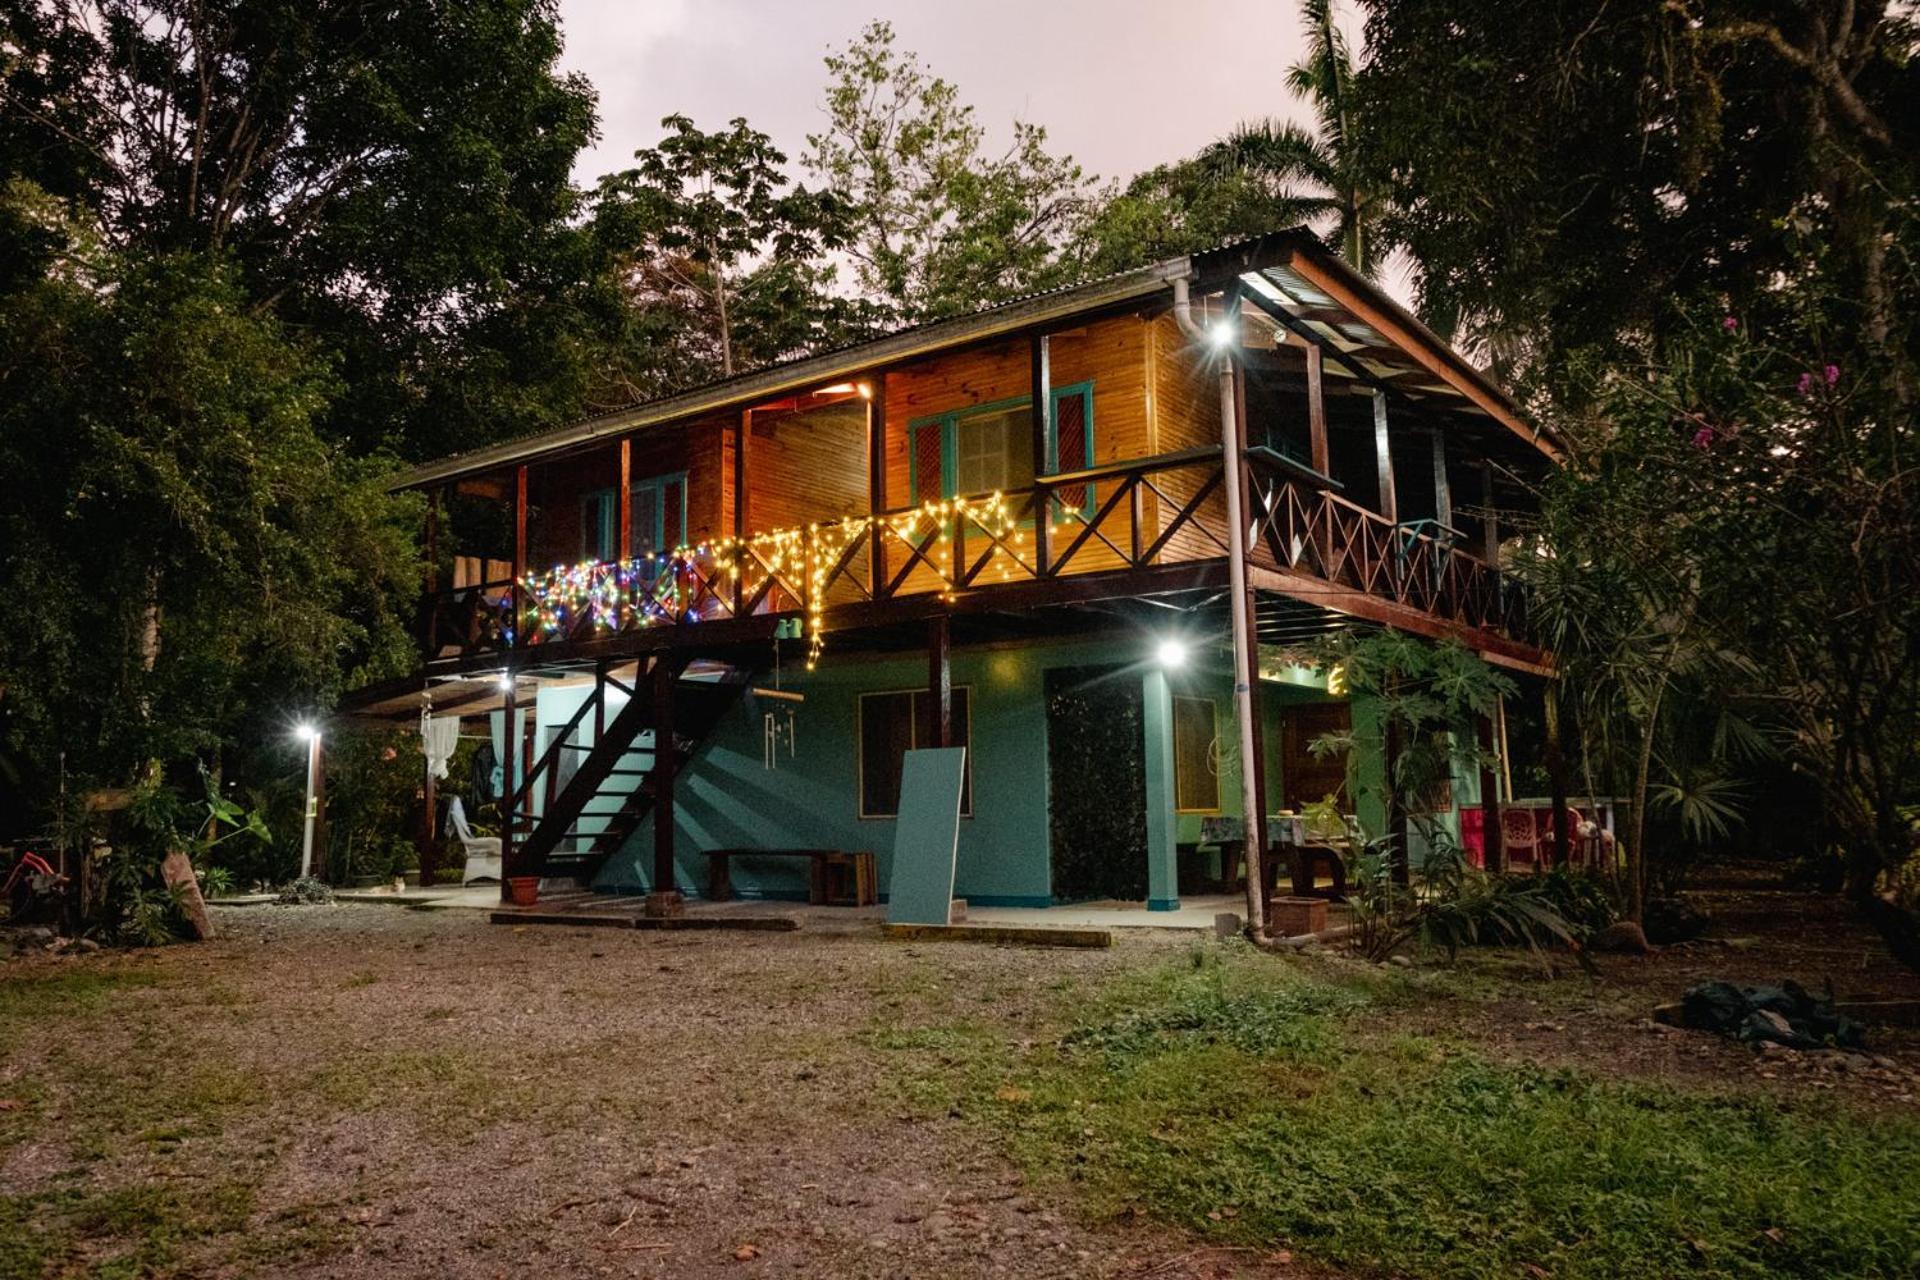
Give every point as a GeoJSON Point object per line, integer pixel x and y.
{"type": "Point", "coordinates": [523, 891]}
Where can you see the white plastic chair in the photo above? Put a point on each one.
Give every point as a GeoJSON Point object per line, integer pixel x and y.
{"type": "Point", "coordinates": [483, 852]}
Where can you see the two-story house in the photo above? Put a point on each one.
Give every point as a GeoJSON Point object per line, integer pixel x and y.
{"type": "Point", "coordinates": [1087, 535]}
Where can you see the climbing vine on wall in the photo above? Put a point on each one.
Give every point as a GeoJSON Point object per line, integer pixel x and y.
{"type": "Point", "coordinates": [1097, 793]}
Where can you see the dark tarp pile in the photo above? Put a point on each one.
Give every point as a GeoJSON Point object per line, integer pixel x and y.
{"type": "Point", "coordinates": [1787, 1014]}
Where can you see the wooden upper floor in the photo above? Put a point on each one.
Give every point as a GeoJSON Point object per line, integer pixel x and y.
{"type": "Point", "coordinates": [1053, 449]}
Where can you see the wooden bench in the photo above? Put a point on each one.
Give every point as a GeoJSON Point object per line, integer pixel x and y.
{"type": "Point", "coordinates": [836, 877]}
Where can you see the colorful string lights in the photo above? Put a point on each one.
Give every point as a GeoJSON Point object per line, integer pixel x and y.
{"type": "Point", "coordinates": [690, 583]}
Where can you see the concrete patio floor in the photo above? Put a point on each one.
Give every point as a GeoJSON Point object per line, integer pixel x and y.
{"type": "Point", "coordinates": [1195, 912]}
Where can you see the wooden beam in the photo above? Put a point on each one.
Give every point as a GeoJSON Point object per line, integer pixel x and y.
{"type": "Point", "coordinates": [1383, 458]}
{"type": "Point", "coordinates": [519, 554]}
{"type": "Point", "coordinates": [1317, 410]}
{"type": "Point", "coordinates": [428, 840]}
{"type": "Point", "coordinates": [1255, 823]}
{"type": "Point", "coordinates": [1039, 388]}
{"type": "Point", "coordinates": [665, 762]}
{"type": "Point", "coordinates": [1442, 362]}
{"type": "Point", "coordinates": [877, 480]}
{"type": "Point", "coordinates": [624, 500]}
{"type": "Point", "coordinates": [510, 742]}
{"type": "Point", "coordinates": [1490, 521]}
{"type": "Point", "coordinates": [742, 476]}
{"type": "Point", "coordinates": [1495, 648]}
{"type": "Point", "coordinates": [1442, 495]}
{"type": "Point", "coordinates": [940, 679]}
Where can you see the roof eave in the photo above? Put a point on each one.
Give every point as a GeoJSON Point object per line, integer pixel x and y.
{"type": "Point", "coordinates": [833, 366]}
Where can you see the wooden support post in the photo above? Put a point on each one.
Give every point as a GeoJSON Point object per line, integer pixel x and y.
{"type": "Point", "coordinates": [1039, 385]}
{"type": "Point", "coordinates": [519, 555]}
{"type": "Point", "coordinates": [741, 514]}
{"type": "Point", "coordinates": [624, 501]}
{"type": "Point", "coordinates": [1493, 856]}
{"type": "Point", "coordinates": [1490, 523]}
{"type": "Point", "coordinates": [1400, 855]}
{"type": "Point", "coordinates": [1442, 495]}
{"type": "Point", "coordinates": [940, 680]}
{"type": "Point", "coordinates": [509, 761]}
{"type": "Point", "coordinates": [665, 899]}
{"type": "Point", "coordinates": [877, 483]}
{"type": "Point", "coordinates": [1255, 823]}
{"type": "Point", "coordinates": [1557, 780]}
{"type": "Point", "coordinates": [742, 496]}
{"type": "Point", "coordinates": [429, 836]}
{"type": "Point", "coordinates": [1383, 458]}
{"type": "Point", "coordinates": [1317, 412]}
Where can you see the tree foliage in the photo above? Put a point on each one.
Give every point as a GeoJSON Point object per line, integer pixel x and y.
{"type": "Point", "coordinates": [941, 223]}
{"type": "Point", "coordinates": [704, 228]}
{"type": "Point", "coordinates": [191, 556]}
{"type": "Point", "coordinates": [1315, 175]}
{"type": "Point", "coordinates": [1685, 226]}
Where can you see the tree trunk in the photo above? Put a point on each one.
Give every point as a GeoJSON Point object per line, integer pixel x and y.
{"type": "Point", "coordinates": [176, 872]}
{"type": "Point", "coordinates": [726, 321]}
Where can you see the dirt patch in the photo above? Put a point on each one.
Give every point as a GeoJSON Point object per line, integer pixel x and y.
{"type": "Point", "coordinates": [423, 1093]}
{"type": "Point", "coordinates": [366, 1091]}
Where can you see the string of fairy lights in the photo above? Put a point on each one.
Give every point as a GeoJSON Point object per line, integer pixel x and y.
{"type": "Point", "coordinates": [666, 588]}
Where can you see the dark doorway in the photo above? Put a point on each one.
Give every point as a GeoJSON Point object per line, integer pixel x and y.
{"type": "Point", "coordinates": [1096, 784]}
{"type": "Point", "coordinates": [1310, 778]}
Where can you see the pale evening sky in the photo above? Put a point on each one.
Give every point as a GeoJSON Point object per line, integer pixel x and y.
{"type": "Point", "coordinates": [1121, 85]}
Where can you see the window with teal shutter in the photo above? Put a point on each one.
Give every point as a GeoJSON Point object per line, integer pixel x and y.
{"type": "Point", "coordinates": [1070, 443]}
{"type": "Point", "coordinates": [598, 516]}
{"type": "Point", "coordinates": [659, 519]}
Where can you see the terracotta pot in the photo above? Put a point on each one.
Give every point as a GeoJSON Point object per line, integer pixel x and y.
{"type": "Point", "coordinates": [523, 891]}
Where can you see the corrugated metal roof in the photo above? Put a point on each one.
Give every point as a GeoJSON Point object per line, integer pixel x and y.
{"type": "Point", "coordinates": [986, 322]}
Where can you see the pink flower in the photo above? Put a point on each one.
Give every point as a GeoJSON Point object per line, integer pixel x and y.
{"type": "Point", "coordinates": [1703, 437]}
{"type": "Point", "coordinates": [1729, 324]}
{"type": "Point", "coordinates": [1805, 385]}
{"type": "Point", "coordinates": [1833, 374]}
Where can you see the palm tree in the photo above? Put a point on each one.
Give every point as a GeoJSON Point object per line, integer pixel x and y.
{"type": "Point", "coordinates": [1314, 173]}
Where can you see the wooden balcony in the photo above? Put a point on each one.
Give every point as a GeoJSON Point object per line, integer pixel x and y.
{"type": "Point", "coordinates": [1115, 529]}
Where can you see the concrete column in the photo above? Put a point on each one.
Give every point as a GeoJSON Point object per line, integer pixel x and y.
{"type": "Point", "coordinates": [1163, 880]}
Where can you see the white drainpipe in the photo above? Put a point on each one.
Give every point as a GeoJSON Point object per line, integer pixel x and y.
{"type": "Point", "coordinates": [1243, 656]}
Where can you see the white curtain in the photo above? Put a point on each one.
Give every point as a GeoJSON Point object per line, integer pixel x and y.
{"type": "Point", "coordinates": [439, 736]}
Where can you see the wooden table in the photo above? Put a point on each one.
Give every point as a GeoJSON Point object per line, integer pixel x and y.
{"type": "Point", "coordinates": [836, 877]}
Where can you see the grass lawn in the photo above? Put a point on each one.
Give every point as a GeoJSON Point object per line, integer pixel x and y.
{"type": "Point", "coordinates": [1255, 1104]}
{"type": "Point", "coordinates": [361, 1091]}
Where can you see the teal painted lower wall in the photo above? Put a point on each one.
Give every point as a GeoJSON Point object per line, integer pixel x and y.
{"type": "Point", "coordinates": [728, 798]}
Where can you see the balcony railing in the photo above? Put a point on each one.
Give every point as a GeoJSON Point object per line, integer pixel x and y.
{"type": "Point", "coordinates": [1168, 509]}
{"type": "Point", "coordinates": [1300, 524]}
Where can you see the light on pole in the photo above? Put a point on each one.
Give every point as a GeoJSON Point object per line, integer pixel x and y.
{"type": "Point", "coordinates": [312, 736]}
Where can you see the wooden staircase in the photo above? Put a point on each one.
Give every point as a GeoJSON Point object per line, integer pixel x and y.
{"type": "Point", "coordinates": [616, 765]}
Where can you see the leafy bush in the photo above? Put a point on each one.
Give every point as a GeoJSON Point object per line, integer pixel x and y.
{"type": "Point", "coordinates": [1580, 899]}
{"type": "Point", "coordinates": [216, 882]}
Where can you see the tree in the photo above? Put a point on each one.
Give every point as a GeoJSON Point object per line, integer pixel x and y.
{"type": "Point", "coordinates": [1173, 209]}
{"type": "Point", "coordinates": [1698, 214]}
{"type": "Point", "coordinates": [1564, 173]}
{"type": "Point", "coordinates": [941, 224]}
{"type": "Point", "coordinates": [1315, 175]}
{"type": "Point", "coordinates": [391, 176]}
{"type": "Point", "coordinates": [704, 227]}
{"type": "Point", "coordinates": [189, 562]}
